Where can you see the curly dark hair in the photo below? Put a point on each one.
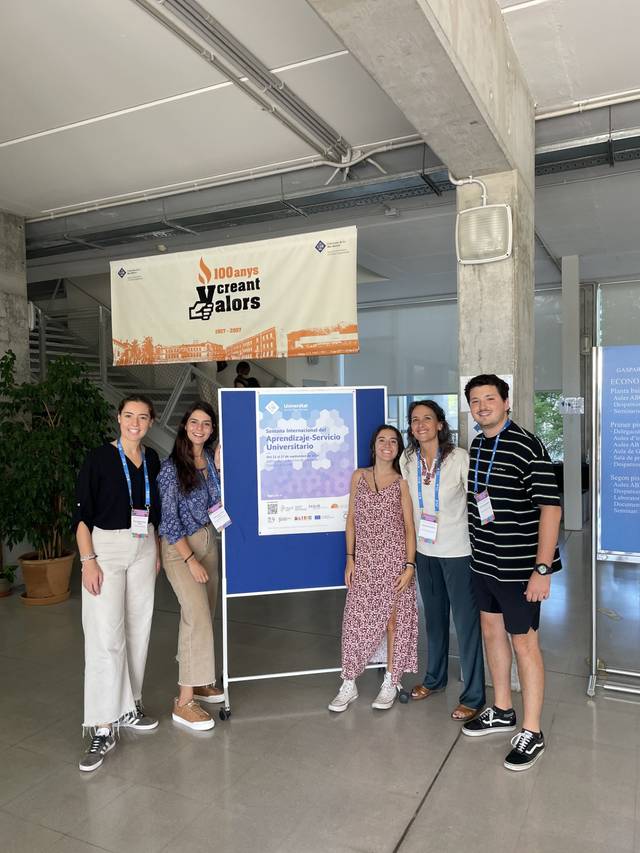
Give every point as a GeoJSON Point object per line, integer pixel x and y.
{"type": "Point", "coordinates": [444, 433]}
{"type": "Point", "coordinates": [182, 453]}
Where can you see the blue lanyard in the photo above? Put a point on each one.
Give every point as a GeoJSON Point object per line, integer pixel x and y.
{"type": "Point", "coordinates": [125, 467]}
{"type": "Point", "coordinates": [493, 456]}
{"type": "Point", "coordinates": [436, 487]}
{"type": "Point", "coordinates": [213, 475]}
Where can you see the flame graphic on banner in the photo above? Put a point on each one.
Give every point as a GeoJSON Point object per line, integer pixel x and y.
{"type": "Point", "coordinates": [206, 278]}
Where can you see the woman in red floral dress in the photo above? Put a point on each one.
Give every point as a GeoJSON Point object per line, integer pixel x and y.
{"type": "Point", "coordinates": [381, 598]}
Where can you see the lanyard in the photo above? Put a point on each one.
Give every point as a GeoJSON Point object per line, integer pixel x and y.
{"type": "Point", "coordinates": [436, 487]}
{"type": "Point", "coordinates": [213, 475]}
{"type": "Point", "coordinates": [493, 456]}
{"type": "Point", "coordinates": [125, 467]}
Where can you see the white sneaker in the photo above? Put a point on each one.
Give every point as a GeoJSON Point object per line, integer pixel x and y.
{"type": "Point", "coordinates": [387, 695]}
{"type": "Point", "coordinates": [347, 694]}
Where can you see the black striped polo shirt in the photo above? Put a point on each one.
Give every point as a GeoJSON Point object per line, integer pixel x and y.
{"type": "Point", "coordinates": [522, 480]}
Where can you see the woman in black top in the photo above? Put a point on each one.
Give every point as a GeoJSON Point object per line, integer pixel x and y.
{"type": "Point", "coordinates": [116, 521]}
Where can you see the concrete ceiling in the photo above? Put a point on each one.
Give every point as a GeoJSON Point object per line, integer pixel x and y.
{"type": "Point", "coordinates": [575, 50]}
{"type": "Point", "coordinates": [112, 106]}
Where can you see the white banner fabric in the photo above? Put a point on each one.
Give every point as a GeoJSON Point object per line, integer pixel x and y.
{"type": "Point", "coordinates": [288, 296]}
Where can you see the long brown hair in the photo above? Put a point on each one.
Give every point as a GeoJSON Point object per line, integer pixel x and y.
{"type": "Point", "coordinates": [182, 453]}
{"type": "Point", "coordinates": [372, 446]}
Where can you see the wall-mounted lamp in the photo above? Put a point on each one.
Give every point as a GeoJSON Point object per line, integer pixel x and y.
{"type": "Point", "coordinates": [483, 234]}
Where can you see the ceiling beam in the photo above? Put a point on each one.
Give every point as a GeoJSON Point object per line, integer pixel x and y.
{"type": "Point", "coordinates": [449, 65]}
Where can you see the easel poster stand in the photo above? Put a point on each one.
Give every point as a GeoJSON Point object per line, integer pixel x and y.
{"type": "Point", "coordinates": [290, 563]}
{"type": "Point", "coordinates": [615, 488]}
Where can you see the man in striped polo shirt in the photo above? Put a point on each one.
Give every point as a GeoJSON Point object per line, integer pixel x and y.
{"type": "Point", "coordinates": [514, 522]}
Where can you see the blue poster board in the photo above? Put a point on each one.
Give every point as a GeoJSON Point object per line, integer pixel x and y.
{"type": "Point", "coordinates": [618, 508]}
{"type": "Point", "coordinates": [262, 564]}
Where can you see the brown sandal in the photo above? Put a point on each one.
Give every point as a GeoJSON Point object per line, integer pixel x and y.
{"type": "Point", "coordinates": [462, 714]}
{"type": "Point", "coordinates": [422, 692]}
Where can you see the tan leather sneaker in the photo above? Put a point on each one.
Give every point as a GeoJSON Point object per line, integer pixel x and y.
{"type": "Point", "coordinates": [209, 693]}
{"type": "Point", "coordinates": [192, 716]}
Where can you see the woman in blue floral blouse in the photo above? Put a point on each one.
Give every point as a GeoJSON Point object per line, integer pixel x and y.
{"type": "Point", "coordinates": [189, 486]}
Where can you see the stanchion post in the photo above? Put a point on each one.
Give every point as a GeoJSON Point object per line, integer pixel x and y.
{"type": "Point", "coordinates": [595, 486]}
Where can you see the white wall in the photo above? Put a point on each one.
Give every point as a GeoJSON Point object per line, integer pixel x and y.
{"type": "Point", "coordinates": [414, 349]}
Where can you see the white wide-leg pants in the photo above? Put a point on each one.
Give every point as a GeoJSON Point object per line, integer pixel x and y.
{"type": "Point", "coordinates": [117, 624]}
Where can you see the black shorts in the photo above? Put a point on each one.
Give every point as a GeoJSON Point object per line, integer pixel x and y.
{"type": "Point", "coordinates": [507, 597]}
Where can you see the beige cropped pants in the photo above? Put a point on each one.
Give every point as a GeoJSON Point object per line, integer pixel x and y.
{"type": "Point", "coordinates": [196, 660]}
{"type": "Point", "coordinates": [117, 624]}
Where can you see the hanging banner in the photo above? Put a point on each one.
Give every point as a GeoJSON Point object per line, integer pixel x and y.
{"type": "Point", "coordinates": [306, 454]}
{"type": "Point", "coordinates": [289, 296]}
{"type": "Point", "coordinates": [618, 495]}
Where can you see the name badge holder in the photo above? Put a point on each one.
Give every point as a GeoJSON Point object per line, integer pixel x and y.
{"type": "Point", "coordinates": [139, 517]}
{"type": "Point", "coordinates": [482, 497]}
{"type": "Point", "coordinates": [428, 529]}
{"type": "Point", "coordinates": [218, 515]}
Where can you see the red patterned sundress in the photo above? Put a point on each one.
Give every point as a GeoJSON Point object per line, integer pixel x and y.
{"type": "Point", "coordinates": [380, 555]}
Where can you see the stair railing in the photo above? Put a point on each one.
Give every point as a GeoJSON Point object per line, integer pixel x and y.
{"type": "Point", "coordinates": [102, 314]}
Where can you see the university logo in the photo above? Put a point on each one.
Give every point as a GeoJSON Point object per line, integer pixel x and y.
{"type": "Point", "coordinates": [320, 246]}
{"type": "Point", "coordinates": [122, 272]}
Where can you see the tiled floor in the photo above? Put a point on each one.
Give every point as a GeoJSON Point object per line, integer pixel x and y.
{"type": "Point", "coordinates": [286, 775]}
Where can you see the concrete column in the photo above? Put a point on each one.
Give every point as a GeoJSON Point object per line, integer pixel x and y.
{"type": "Point", "coordinates": [14, 326]}
{"type": "Point", "coordinates": [495, 301]}
{"type": "Point", "coordinates": [572, 426]}
{"type": "Point", "coordinates": [449, 65]}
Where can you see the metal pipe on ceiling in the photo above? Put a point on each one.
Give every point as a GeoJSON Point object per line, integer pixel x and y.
{"type": "Point", "coordinates": [246, 175]}
{"type": "Point", "coordinates": [211, 30]}
{"type": "Point", "coordinates": [264, 88]}
{"type": "Point", "coordinates": [220, 66]}
{"type": "Point", "coordinates": [602, 101]}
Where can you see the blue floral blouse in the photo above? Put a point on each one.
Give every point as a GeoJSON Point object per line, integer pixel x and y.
{"type": "Point", "coordinates": [184, 514]}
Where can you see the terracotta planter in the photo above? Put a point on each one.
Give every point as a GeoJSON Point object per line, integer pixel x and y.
{"type": "Point", "coordinates": [5, 587]}
{"type": "Point", "coordinates": [46, 581]}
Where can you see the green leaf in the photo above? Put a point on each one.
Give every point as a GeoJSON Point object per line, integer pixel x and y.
{"type": "Point", "coordinates": [46, 430]}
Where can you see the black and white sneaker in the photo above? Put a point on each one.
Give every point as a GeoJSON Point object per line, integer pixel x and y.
{"type": "Point", "coordinates": [102, 742]}
{"type": "Point", "coordinates": [139, 720]}
{"type": "Point", "coordinates": [491, 721]}
{"type": "Point", "coordinates": [527, 749]}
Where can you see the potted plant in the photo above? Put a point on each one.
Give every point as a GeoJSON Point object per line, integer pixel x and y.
{"type": "Point", "coordinates": [46, 429]}
{"type": "Point", "coordinates": [7, 577]}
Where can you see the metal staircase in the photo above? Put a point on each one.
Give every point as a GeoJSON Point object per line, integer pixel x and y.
{"type": "Point", "coordinates": [81, 329]}
{"type": "Point", "coordinates": [84, 336]}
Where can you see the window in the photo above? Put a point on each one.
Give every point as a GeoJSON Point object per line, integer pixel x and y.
{"type": "Point", "coordinates": [399, 408]}
{"type": "Point", "coordinates": [548, 423]}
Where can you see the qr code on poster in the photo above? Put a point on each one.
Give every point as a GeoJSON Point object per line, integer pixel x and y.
{"type": "Point", "coordinates": [272, 509]}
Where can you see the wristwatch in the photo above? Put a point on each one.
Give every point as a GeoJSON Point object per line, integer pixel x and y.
{"type": "Point", "coordinates": [542, 569]}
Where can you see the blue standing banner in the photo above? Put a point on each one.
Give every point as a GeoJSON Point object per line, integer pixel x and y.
{"type": "Point", "coordinates": [256, 564]}
{"type": "Point", "coordinates": [615, 494]}
{"type": "Point", "coordinates": [618, 508]}
{"type": "Point", "coordinates": [334, 432]}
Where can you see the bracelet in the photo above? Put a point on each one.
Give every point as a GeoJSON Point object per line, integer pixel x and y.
{"type": "Point", "coordinates": [351, 555]}
{"type": "Point", "coordinates": [413, 565]}
{"type": "Point", "coordinates": [88, 557]}
{"type": "Point", "coordinates": [186, 559]}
